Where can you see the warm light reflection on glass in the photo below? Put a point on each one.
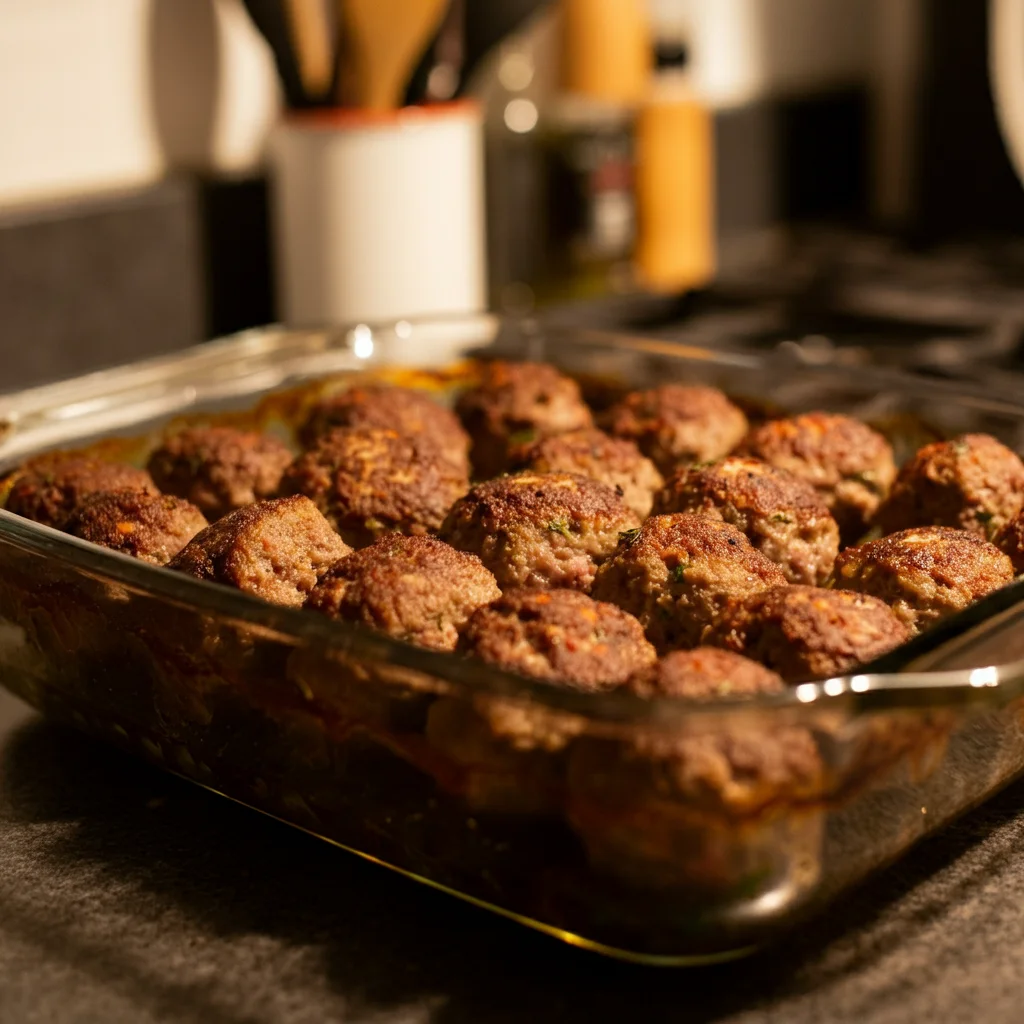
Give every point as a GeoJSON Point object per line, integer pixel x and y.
{"type": "Point", "coordinates": [806, 692]}
{"type": "Point", "coordinates": [362, 341]}
{"type": "Point", "coordinates": [985, 676]}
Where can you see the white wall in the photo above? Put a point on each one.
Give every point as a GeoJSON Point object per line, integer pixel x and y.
{"type": "Point", "coordinates": [102, 94]}
{"type": "Point", "coordinates": [93, 98]}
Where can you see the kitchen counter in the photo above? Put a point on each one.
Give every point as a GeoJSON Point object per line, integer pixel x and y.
{"type": "Point", "coordinates": [129, 896]}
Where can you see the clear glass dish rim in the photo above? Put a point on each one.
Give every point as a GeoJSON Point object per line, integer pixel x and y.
{"type": "Point", "coordinates": [861, 693]}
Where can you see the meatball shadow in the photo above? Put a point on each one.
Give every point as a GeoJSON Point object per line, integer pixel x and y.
{"type": "Point", "coordinates": [388, 943]}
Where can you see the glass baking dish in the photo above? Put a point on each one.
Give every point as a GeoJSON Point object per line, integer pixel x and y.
{"type": "Point", "coordinates": [663, 832]}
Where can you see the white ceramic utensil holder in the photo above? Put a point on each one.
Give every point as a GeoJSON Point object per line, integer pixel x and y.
{"type": "Point", "coordinates": [378, 217]}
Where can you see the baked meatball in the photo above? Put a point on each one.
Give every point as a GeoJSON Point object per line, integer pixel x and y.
{"type": "Point", "coordinates": [410, 412]}
{"type": "Point", "coordinates": [611, 460]}
{"type": "Point", "coordinates": [973, 483]}
{"type": "Point", "coordinates": [678, 423]}
{"type": "Point", "coordinates": [640, 801]}
{"type": "Point", "coordinates": [677, 572]}
{"type": "Point", "coordinates": [369, 482]}
{"type": "Point", "coordinates": [50, 489]}
{"type": "Point", "coordinates": [558, 635]}
{"type": "Point", "coordinates": [219, 469]}
{"type": "Point", "coordinates": [516, 402]}
{"type": "Point", "coordinates": [271, 549]}
{"type": "Point", "coordinates": [807, 633]}
{"type": "Point", "coordinates": [540, 529]}
{"type": "Point", "coordinates": [703, 673]}
{"type": "Point", "coordinates": [1010, 540]}
{"type": "Point", "coordinates": [510, 755]}
{"type": "Point", "coordinates": [924, 574]}
{"type": "Point", "coordinates": [414, 588]}
{"type": "Point", "coordinates": [737, 768]}
{"type": "Point", "coordinates": [783, 516]}
{"type": "Point", "coordinates": [151, 527]}
{"type": "Point", "coordinates": [850, 464]}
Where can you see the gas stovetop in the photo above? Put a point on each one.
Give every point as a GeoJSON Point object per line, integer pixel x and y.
{"type": "Point", "coordinates": [856, 299]}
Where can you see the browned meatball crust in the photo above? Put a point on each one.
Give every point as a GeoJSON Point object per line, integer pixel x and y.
{"type": "Point", "coordinates": [405, 410]}
{"type": "Point", "coordinates": [1010, 540]}
{"type": "Point", "coordinates": [417, 589]}
{"type": "Point", "coordinates": [677, 423]}
{"type": "Point", "coordinates": [924, 574]}
{"type": "Point", "coordinates": [510, 755]}
{"type": "Point", "coordinates": [151, 527]}
{"type": "Point", "coordinates": [559, 635]}
{"type": "Point", "coordinates": [611, 460]}
{"type": "Point", "coordinates": [219, 469]}
{"type": "Point", "coordinates": [783, 516]}
{"type": "Point", "coordinates": [369, 482]}
{"type": "Point", "coordinates": [677, 572]}
{"type": "Point", "coordinates": [808, 633]}
{"type": "Point", "coordinates": [540, 529]}
{"type": "Point", "coordinates": [271, 549]}
{"type": "Point", "coordinates": [850, 464]}
{"type": "Point", "coordinates": [972, 483]}
{"type": "Point", "coordinates": [517, 402]}
{"type": "Point", "coordinates": [51, 488]}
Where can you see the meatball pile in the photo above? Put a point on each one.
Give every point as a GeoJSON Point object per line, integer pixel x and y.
{"type": "Point", "coordinates": [1010, 540]}
{"type": "Point", "coordinates": [516, 403]}
{"type": "Point", "coordinates": [52, 488]}
{"type": "Point", "coordinates": [807, 633]}
{"type": "Point", "coordinates": [409, 412]}
{"type": "Point", "coordinates": [783, 516]}
{"type": "Point", "coordinates": [417, 589]}
{"type": "Point", "coordinates": [849, 464]}
{"type": "Point", "coordinates": [512, 754]}
{"type": "Point", "coordinates": [579, 554]}
{"type": "Point", "coordinates": [540, 529]}
{"type": "Point", "coordinates": [743, 771]}
{"type": "Point", "coordinates": [676, 424]}
{"type": "Point", "coordinates": [610, 460]}
{"type": "Point", "coordinates": [559, 636]}
{"type": "Point", "coordinates": [372, 481]}
{"type": "Point", "coordinates": [677, 574]}
{"type": "Point", "coordinates": [972, 483]}
{"type": "Point", "coordinates": [924, 574]}
{"type": "Point", "coordinates": [276, 550]}
{"type": "Point", "coordinates": [641, 802]}
{"type": "Point", "coordinates": [152, 527]}
{"type": "Point", "coordinates": [219, 469]}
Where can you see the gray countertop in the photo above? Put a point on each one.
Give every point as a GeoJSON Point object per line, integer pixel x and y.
{"type": "Point", "coordinates": [129, 896]}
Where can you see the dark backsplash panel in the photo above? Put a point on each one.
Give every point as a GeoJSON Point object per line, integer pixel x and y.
{"type": "Point", "coordinates": [114, 278]}
{"type": "Point", "coordinates": [98, 282]}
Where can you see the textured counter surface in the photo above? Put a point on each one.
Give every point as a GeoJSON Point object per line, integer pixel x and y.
{"type": "Point", "coordinates": [128, 896]}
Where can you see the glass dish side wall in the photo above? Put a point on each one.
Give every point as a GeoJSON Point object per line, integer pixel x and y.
{"type": "Point", "coordinates": [352, 738]}
{"type": "Point", "coordinates": [349, 748]}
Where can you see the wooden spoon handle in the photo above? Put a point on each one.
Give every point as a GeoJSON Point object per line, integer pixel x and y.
{"type": "Point", "coordinates": [388, 36]}
{"type": "Point", "coordinates": [311, 32]}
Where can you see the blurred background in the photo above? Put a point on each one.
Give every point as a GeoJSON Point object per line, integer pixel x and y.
{"type": "Point", "coordinates": [826, 174]}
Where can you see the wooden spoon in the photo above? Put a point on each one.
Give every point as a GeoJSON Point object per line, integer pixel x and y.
{"type": "Point", "coordinates": [312, 35]}
{"type": "Point", "coordinates": [387, 38]}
